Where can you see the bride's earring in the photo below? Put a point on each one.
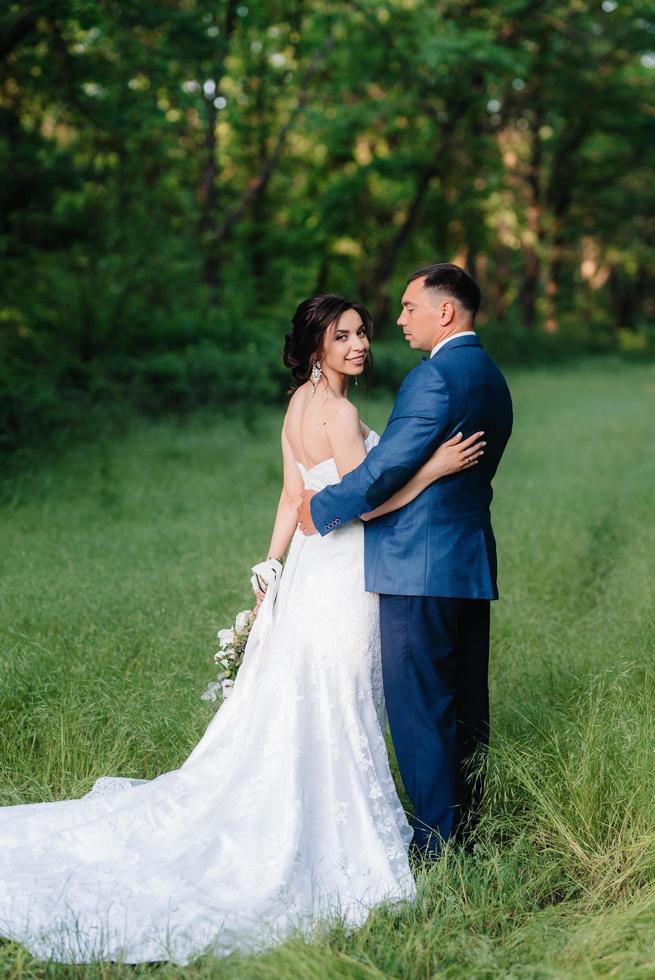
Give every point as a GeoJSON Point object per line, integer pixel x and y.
{"type": "Point", "coordinates": [316, 374]}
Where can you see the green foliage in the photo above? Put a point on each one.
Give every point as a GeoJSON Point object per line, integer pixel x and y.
{"type": "Point", "coordinates": [180, 175]}
{"type": "Point", "coordinates": [124, 556]}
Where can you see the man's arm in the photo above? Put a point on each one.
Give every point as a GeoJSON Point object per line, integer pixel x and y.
{"type": "Point", "coordinates": [417, 424]}
{"type": "Point", "coordinates": [452, 456]}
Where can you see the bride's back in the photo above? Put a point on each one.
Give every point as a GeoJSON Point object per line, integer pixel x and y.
{"type": "Point", "coordinates": [305, 424]}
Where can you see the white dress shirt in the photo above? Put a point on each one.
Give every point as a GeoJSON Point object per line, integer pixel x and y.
{"type": "Point", "coordinates": [442, 343]}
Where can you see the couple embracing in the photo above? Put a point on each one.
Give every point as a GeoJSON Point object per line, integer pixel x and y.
{"type": "Point", "coordinates": [286, 810]}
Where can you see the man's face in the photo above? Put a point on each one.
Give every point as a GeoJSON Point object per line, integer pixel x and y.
{"type": "Point", "coordinates": [421, 317]}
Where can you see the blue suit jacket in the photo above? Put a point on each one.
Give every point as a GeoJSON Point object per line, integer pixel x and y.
{"type": "Point", "coordinates": [441, 543]}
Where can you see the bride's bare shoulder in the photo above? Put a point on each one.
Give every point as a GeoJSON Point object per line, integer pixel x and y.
{"type": "Point", "coordinates": [297, 397]}
{"type": "Point", "coordinates": [344, 418]}
{"type": "Point", "coordinates": [340, 413]}
{"type": "Point", "coordinates": [295, 405]}
{"type": "Point", "coordinates": [323, 407]}
{"type": "Point", "coordinates": [295, 419]}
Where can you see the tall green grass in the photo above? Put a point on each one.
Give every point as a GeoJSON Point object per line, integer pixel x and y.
{"type": "Point", "coordinates": [121, 558]}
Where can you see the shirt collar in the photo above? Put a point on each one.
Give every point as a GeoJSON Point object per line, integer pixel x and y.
{"type": "Point", "coordinates": [442, 343]}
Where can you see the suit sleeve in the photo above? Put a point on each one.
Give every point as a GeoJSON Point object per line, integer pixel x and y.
{"type": "Point", "coordinates": [414, 430]}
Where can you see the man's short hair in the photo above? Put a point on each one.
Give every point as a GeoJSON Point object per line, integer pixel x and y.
{"type": "Point", "coordinates": [451, 280]}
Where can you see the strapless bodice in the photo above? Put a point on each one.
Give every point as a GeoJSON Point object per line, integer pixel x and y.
{"type": "Point", "coordinates": [325, 473]}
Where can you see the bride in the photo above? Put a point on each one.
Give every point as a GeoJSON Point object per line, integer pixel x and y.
{"type": "Point", "coordinates": [285, 812]}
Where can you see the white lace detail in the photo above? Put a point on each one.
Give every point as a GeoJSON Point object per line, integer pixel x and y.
{"type": "Point", "coordinates": [285, 810]}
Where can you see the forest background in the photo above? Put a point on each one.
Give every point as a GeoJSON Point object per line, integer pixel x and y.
{"type": "Point", "coordinates": [178, 175]}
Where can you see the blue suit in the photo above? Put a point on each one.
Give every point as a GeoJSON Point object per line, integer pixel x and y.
{"type": "Point", "coordinates": [434, 564]}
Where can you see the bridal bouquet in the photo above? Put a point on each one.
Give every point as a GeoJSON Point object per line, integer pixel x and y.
{"type": "Point", "coordinates": [233, 640]}
{"type": "Point", "coordinates": [231, 648]}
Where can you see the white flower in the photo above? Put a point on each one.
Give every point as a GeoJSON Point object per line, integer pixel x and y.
{"type": "Point", "coordinates": [208, 695]}
{"type": "Point", "coordinates": [225, 637]}
{"type": "Point", "coordinates": [242, 620]}
{"type": "Point", "coordinates": [226, 687]}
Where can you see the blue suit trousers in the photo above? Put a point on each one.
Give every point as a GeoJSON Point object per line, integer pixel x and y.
{"type": "Point", "coordinates": [435, 656]}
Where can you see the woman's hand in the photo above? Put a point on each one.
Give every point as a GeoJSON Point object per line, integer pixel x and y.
{"type": "Point", "coordinates": [260, 598]}
{"type": "Point", "coordinates": [455, 455]}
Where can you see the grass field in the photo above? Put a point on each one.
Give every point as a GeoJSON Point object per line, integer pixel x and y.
{"type": "Point", "coordinates": [120, 559]}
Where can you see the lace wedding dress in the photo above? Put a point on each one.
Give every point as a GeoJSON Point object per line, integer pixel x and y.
{"type": "Point", "coordinates": [284, 813]}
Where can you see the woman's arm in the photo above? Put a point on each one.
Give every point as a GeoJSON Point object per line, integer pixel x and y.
{"type": "Point", "coordinates": [452, 456]}
{"type": "Point", "coordinates": [286, 520]}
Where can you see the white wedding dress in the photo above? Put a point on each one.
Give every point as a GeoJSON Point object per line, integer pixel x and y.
{"type": "Point", "coordinates": [285, 813]}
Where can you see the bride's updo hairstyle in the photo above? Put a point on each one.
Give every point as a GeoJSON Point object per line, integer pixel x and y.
{"type": "Point", "coordinates": [302, 347]}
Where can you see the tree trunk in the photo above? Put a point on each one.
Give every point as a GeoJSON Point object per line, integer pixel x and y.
{"type": "Point", "coordinates": [387, 261]}
{"type": "Point", "coordinates": [529, 288]}
{"type": "Point", "coordinates": [15, 33]}
{"type": "Point", "coordinates": [257, 186]}
{"type": "Point", "coordinates": [208, 192]}
{"type": "Point", "coordinates": [558, 198]}
{"type": "Point", "coordinates": [322, 276]}
{"type": "Point", "coordinates": [258, 232]}
{"type": "Point", "coordinates": [209, 199]}
{"type": "Point", "coordinates": [500, 283]}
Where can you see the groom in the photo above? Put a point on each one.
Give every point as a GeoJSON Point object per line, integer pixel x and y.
{"type": "Point", "coordinates": [433, 562]}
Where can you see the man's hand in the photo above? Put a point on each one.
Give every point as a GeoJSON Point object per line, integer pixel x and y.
{"type": "Point", "coordinates": [305, 522]}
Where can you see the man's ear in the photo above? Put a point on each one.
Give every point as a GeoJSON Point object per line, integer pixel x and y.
{"type": "Point", "coordinates": [447, 312]}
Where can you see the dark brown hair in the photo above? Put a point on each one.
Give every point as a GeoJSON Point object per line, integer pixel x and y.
{"type": "Point", "coordinates": [310, 321]}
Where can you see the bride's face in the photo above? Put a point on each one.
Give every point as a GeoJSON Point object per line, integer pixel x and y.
{"type": "Point", "coordinates": [345, 345]}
